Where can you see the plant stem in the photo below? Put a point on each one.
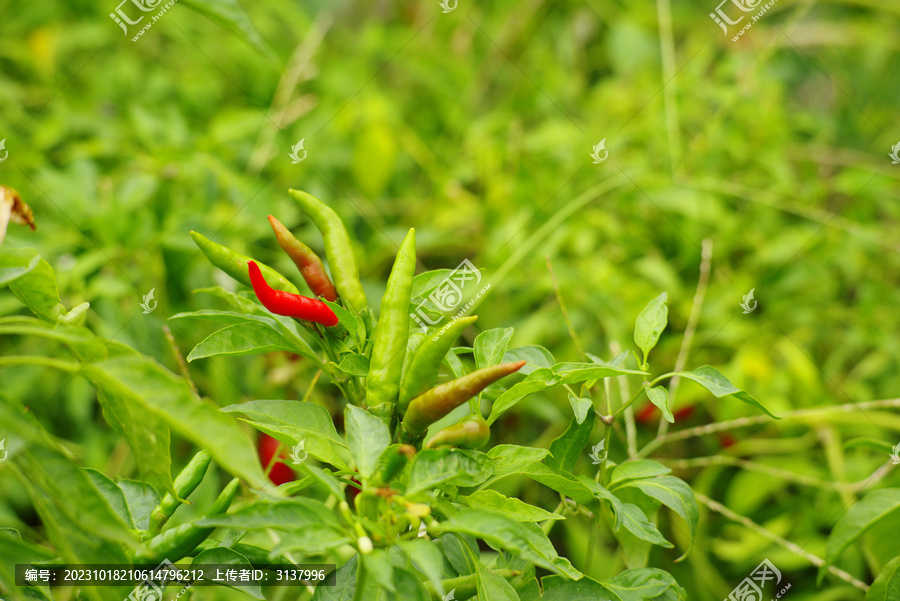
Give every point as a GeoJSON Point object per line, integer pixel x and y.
{"type": "Point", "coordinates": [696, 306]}
{"type": "Point", "coordinates": [360, 578]}
{"type": "Point", "coordinates": [562, 307]}
{"type": "Point", "coordinates": [764, 419]}
{"type": "Point", "coordinates": [813, 559]}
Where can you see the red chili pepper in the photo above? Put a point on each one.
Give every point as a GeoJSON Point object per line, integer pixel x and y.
{"type": "Point", "coordinates": [290, 305]}
{"type": "Point", "coordinates": [281, 473]}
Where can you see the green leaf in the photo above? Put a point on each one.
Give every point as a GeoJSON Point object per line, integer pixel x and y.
{"type": "Point", "coordinates": [231, 15]}
{"type": "Point", "coordinates": [859, 519]}
{"type": "Point", "coordinates": [428, 559]}
{"type": "Point", "coordinates": [580, 407]}
{"type": "Point", "coordinates": [650, 324]}
{"type": "Point", "coordinates": [17, 262]}
{"type": "Point", "coordinates": [141, 498]}
{"type": "Point", "coordinates": [114, 495]}
{"type": "Point", "coordinates": [298, 513]}
{"type": "Point", "coordinates": [351, 322]}
{"type": "Point", "coordinates": [293, 421]}
{"type": "Point", "coordinates": [490, 346]}
{"type": "Point", "coordinates": [710, 378]}
{"type": "Point", "coordinates": [565, 484]}
{"type": "Point", "coordinates": [331, 484]}
{"type": "Point", "coordinates": [146, 433]}
{"type": "Point", "coordinates": [869, 443]}
{"type": "Point", "coordinates": [493, 587]}
{"type": "Point", "coordinates": [536, 356]}
{"type": "Point", "coordinates": [675, 494]}
{"type": "Point", "coordinates": [355, 365]}
{"type": "Point", "coordinates": [511, 458]}
{"type": "Point", "coordinates": [138, 380]}
{"type": "Point", "coordinates": [424, 283]}
{"type": "Point", "coordinates": [527, 541]}
{"type": "Point", "coordinates": [314, 539]}
{"type": "Point", "coordinates": [33, 281]}
{"type": "Point", "coordinates": [629, 515]}
{"type": "Point", "coordinates": [345, 583]}
{"type": "Point", "coordinates": [660, 397]}
{"type": "Point", "coordinates": [635, 470]}
{"type": "Point", "coordinates": [229, 557]}
{"type": "Point", "coordinates": [646, 583]}
{"type": "Point", "coordinates": [565, 450]}
{"type": "Point", "coordinates": [515, 508]}
{"type": "Point", "coordinates": [557, 588]}
{"type": "Point", "coordinates": [545, 378]}
{"type": "Point", "coordinates": [249, 339]}
{"type": "Point", "coordinates": [455, 467]}
{"type": "Point", "coordinates": [367, 436]}
{"type": "Point", "coordinates": [380, 569]}
{"type": "Point", "coordinates": [886, 586]}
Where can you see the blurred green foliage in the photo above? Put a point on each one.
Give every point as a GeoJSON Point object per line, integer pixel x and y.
{"type": "Point", "coordinates": [475, 127]}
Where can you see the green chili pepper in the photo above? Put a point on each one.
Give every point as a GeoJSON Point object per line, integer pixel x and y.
{"type": "Point", "coordinates": [181, 540]}
{"type": "Point", "coordinates": [397, 459]}
{"type": "Point", "coordinates": [426, 409]}
{"type": "Point", "coordinates": [424, 368]}
{"type": "Point", "coordinates": [471, 433]}
{"type": "Point", "coordinates": [391, 333]}
{"type": "Point", "coordinates": [308, 262]}
{"type": "Point", "coordinates": [337, 248]}
{"type": "Point", "coordinates": [185, 483]}
{"type": "Point", "coordinates": [235, 265]}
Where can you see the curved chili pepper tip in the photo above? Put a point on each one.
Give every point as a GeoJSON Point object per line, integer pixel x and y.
{"type": "Point", "coordinates": [287, 304]}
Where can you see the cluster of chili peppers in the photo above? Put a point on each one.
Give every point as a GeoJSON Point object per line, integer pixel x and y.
{"type": "Point", "coordinates": [400, 384]}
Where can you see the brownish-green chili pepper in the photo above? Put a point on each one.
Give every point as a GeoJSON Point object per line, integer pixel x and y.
{"type": "Point", "coordinates": [426, 409]}
{"type": "Point", "coordinates": [337, 248]}
{"type": "Point", "coordinates": [235, 264]}
{"type": "Point", "coordinates": [425, 365]}
{"type": "Point", "coordinates": [185, 483]}
{"type": "Point", "coordinates": [181, 540]}
{"type": "Point", "coordinates": [284, 303]}
{"type": "Point", "coordinates": [391, 333]}
{"type": "Point", "coordinates": [308, 262]}
{"type": "Point", "coordinates": [471, 433]}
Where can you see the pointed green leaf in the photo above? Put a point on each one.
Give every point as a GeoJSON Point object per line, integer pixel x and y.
{"type": "Point", "coordinates": [295, 421]}
{"type": "Point", "coordinates": [710, 378]}
{"type": "Point", "coordinates": [367, 437]}
{"type": "Point", "coordinates": [646, 583]}
{"type": "Point", "coordinates": [660, 397]}
{"type": "Point", "coordinates": [859, 519]}
{"type": "Point", "coordinates": [490, 346]}
{"type": "Point", "coordinates": [650, 324]}
{"type": "Point", "coordinates": [527, 541]}
{"type": "Point", "coordinates": [565, 450]}
{"type": "Point", "coordinates": [886, 586]}
{"type": "Point", "coordinates": [493, 587]}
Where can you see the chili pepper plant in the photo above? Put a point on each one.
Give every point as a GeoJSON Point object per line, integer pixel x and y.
{"type": "Point", "coordinates": [402, 488]}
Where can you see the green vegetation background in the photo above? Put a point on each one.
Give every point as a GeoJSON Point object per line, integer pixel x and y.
{"type": "Point", "coordinates": [475, 128]}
